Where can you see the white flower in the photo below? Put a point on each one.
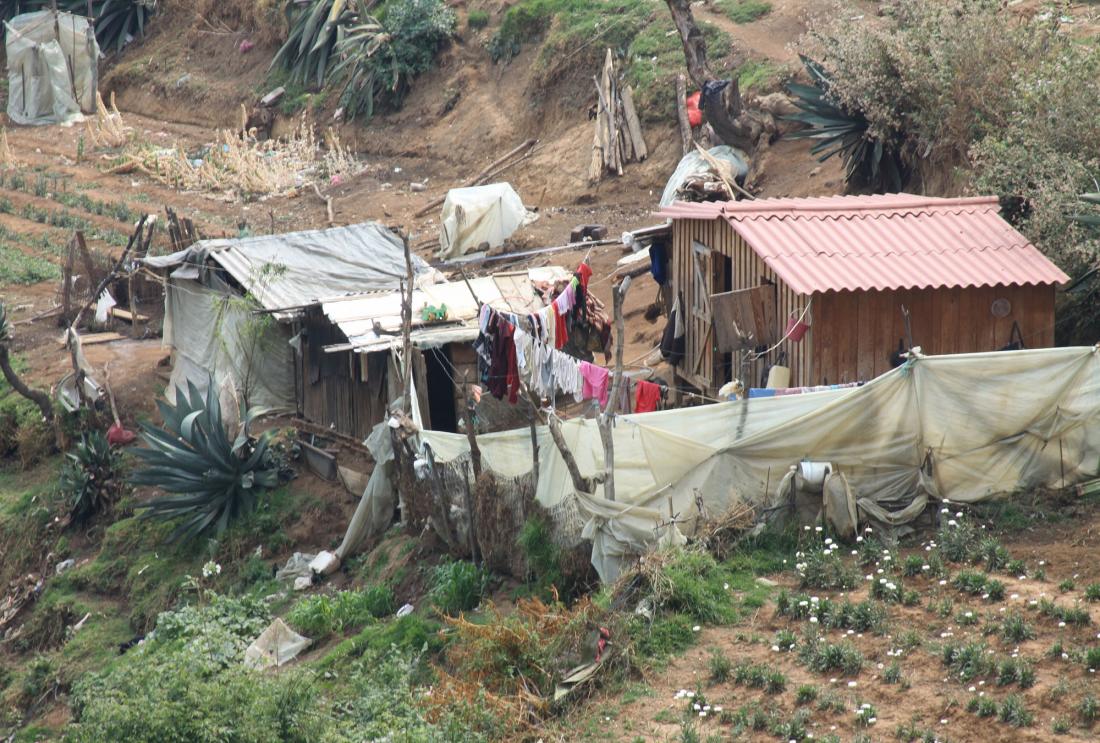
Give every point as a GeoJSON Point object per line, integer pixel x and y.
{"type": "Point", "coordinates": [925, 567]}
{"type": "Point", "coordinates": [697, 706]}
{"type": "Point", "coordinates": [818, 529]}
{"type": "Point", "coordinates": [859, 539]}
{"type": "Point", "coordinates": [852, 684]}
{"type": "Point", "coordinates": [211, 569]}
{"type": "Point", "coordinates": [828, 541]}
{"type": "Point", "coordinates": [696, 628]}
{"type": "Point", "coordinates": [952, 522]}
{"type": "Point", "coordinates": [813, 620]}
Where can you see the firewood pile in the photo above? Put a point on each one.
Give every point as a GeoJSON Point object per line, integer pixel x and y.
{"type": "Point", "coordinates": [618, 139]}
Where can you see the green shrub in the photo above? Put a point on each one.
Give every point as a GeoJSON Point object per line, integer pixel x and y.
{"type": "Point", "coordinates": [1015, 671]}
{"type": "Point", "coordinates": [785, 639]}
{"type": "Point", "coordinates": [970, 581]}
{"type": "Point", "coordinates": [380, 58]}
{"type": "Point", "coordinates": [457, 586]}
{"type": "Point", "coordinates": [693, 583]}
{"type": "Point", "coordinates": [1092, 592]}
{"type": "Point", "coordinates": [958, 539]}
{"type": "Point", "coordinates": [664, 636]}
{"type": "Point", "coordinates": [913, 566]}
{"type": "Point", "coordinates": [1092, 659]}
{"type": "Point", "coordinates": [805, 694]}
{"type": "Point", "coordinates": [322, 615]}
{"type": "Point", "coordinates": [1067, 585]}
{"type": "Point", "coordinates": [1060, 725]}
{"type": "Point", "coordinates": [477, 19]}
{"type": "Point", "coordinates": [892, 673]}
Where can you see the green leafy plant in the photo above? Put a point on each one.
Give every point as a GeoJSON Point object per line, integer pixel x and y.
{"type": "Point", "coordinates": [215, 480]}
{"type": "Point", "coordinates": [868, 159]}
{"type": "Point", "coordinates": [477, 19]}
{"type": "Point", "coordinates": [720, 667]}
{"type": "Point", "coordinates": [457, 586]}
{"type": "Point", "coordinates": [1014, 713]}
{"type": "Point", "coordinates": [1089, 709]}
{"type": "Point", "coordinates": [1015, 628]}
{"type": "Point", "coordinates": [805, 694]}
{"type": "Point", "coordinates": [967, 660]}
{"type": "Point", "coordinates": [322, 615]}
{"type": "Point", "coordinates": [89, 479]}
{"type": "Point", "coordinates": [379, 58]}
{"type": "Point", "coordinates": [311, 43]}
{"type": "Point", "coordinates": [821, 656]}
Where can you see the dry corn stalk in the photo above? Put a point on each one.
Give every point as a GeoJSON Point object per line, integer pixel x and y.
{"type": "Point", "coordinates": [109, 130]}
{"type": "Point", "coordinates": [6, 158]}
{"type": "Point", "coordinates": [238, 165]}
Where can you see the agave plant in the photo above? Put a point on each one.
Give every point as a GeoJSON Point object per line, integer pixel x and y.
{"type": "Point", "coordinates": [868, 159]}
{"type": "Point", "coordinates": [214, 480]}
{"type": "Point", "coordinates": [310, 46]}
{"type": "Point", "coordinates": [89, 479]}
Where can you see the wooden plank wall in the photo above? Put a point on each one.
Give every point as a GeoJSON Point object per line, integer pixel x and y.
{"type": "Point", "coordinates": [348, 390]}
{"type": "Point", "coordinates": [748, 270]}
{"type": "Point", "coordinates": [855, 332]}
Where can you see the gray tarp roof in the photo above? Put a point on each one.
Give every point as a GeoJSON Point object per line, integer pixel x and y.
{"type": "Point", "coordinates": [319, 263]}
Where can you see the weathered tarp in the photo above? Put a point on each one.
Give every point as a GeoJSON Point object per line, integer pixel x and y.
{"type": "Point", "coordinates": [52, 67]}
{"type": "Point", "coordinates": [476, 215]}
{"type": "Point", "coordinates": [966, 427]}
{"type": "Point", "coordinates": [216, 335]}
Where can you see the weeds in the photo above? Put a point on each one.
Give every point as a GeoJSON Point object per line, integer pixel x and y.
{"type": "Point", "coordinates": [825, 569]}
{"type": "Point", "coordinates": [720, 667]}
{"type": "Point", "coordinates": [744, 11]}
{"type": "Point", "coordinates": [805, 694]}
{"type": "Point", "coordinates": [967, 661]}
{"type": "Point", "coordinates": [1014, 713]}
{"type": "Point", "coordinates": [457, 586]}
{"type": "Point", "coordinates": [1088, 710]}
{"type": "Point", "coordinates": [892, 673]}
{"type": "Point", "coordinates": [1092, 592]}
{"type": "Point", "coordinates": [1015, 628]}
{"type": "Point", "coordinates": [1015, 671]}
{"type": "Point", "coordinates": [820, 655]}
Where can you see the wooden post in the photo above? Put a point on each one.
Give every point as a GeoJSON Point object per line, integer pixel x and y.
{"type": "Point", "coordinates": [682, 114]}
{"type": "Point", "coordinates": [471, 536]}
{"type": "Point", "coordinates": [607, 418]}
{"type": "Point", "coordinates": [471, 434]}
{"type": "Point", "coordinates": [406, 328]}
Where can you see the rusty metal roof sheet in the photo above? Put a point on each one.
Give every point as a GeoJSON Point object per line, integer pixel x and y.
{"type": "Point", "coordinates": [893, 241]}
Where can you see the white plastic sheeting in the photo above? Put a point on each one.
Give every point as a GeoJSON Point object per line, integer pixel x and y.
{"type": "Point", "coordinates": [52, 67]}
{"type": "Point", "coordinates": [276, 646]}
{"type": "Point", "coordinates": [965, 427]}
{"type": "Point", "coordinates": [476, 215]}
{"type": "Point", "coordinates": [693, 164]}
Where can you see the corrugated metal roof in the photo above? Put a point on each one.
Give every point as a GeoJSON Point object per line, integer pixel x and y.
{"type": "Point", "coordinates": [511, 292]}
{"type": "Point", "coordinates": [310, 265]}
{"type": "Point", "coordinates": [894, 241]}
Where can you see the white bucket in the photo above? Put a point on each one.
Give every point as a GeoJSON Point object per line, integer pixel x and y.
{"type": "Point", "coordinates": [779, 377]}
{"type": "Point", "coordinates": [814, 473]}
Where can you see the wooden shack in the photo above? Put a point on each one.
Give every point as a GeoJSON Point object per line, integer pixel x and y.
{"type": "Point", "coordinates": [349, 347]}
{"type": "Point", "coordinates": [870, 276]}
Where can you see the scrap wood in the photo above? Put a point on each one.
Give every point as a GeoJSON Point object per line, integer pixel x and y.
{"type": "Point", "coordinates": [494, 169]}
{"type": "Point", "coordinates": [127, 315]}
{"type": "Point", "coordinates": [724, 171]}
{"type": "Point", "coordinates": [618, 135]}
{"type": "Point", "coordinates": [92, 339]}
{"type": "Point", "coordinates": [328, 205]}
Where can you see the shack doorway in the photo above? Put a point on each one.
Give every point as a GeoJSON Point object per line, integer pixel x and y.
{"type": "Point", "coordinates": [441, 389]}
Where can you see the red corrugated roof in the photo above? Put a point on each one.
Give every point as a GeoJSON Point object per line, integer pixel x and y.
{"type": "Point", "coordinates": [894, 241]}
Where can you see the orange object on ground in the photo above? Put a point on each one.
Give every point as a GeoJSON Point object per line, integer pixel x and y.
{"type": "Point", "coordinates": [695, 114]}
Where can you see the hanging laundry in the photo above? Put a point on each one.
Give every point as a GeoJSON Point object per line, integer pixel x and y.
{"type": "Point", "coordinates": [561, 330]}
{"type": "Point", "coordinates": [673, 341]}
{"type": "Point", "coordinates": [595, 382]}
{"type": "Point", "coordinates": [646, 397]}
{"type": "Point", "coordinates": [658, 262]}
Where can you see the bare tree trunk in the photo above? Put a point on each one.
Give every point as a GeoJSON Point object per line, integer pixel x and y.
{"type": "Point", "coordinates": [724, 110]}
{"type": "Point", "coordinates": [607, 419]}
{"type": "Point", "coordinates": [682, 114]}
{"type": "Point", "coordinates": [38, 397]}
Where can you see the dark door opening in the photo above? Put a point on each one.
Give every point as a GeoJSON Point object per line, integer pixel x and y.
{"type": "Point", "coordinates": [441, 389]}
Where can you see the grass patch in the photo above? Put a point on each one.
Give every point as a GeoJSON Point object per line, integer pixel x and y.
{"type": "Point", "coordinates": [477, 19]}
{"type": "Point", "coordinates": [744, 11]}
{"type": "Point", "coordinates": [821, 656]}
{"type": "Point", "coordinates": [323, 615]}
{"type": "Point", "coordinates": [457, 586]}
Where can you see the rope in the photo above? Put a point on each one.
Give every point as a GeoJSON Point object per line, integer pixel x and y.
{"type": "Point", "coordinates": [786, 335]}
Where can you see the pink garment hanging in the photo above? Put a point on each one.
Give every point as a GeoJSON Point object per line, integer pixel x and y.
{"type": "Point", "coordinates": [596, 379]}
{"type": "Point", "coordinates": [565, 301]}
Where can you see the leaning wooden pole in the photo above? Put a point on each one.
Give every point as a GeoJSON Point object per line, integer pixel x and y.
{"type": "Point", "coordinates": [406, 328]}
